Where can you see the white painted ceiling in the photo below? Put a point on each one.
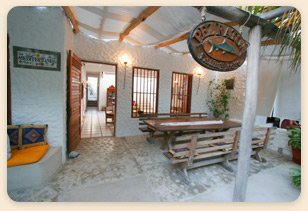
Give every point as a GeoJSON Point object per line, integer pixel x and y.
{"type": "Point", "coordinates": [166, 23]}
{"type": "Point", "coordinates": [95, 68]}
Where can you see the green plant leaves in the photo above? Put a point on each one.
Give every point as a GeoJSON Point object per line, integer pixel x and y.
{"type": "Point", "coordinates": [296, 177]}
{"type": "Point", "coordinates": [218, 98]}
{"type": "Point", "coordinates": [295, 138]}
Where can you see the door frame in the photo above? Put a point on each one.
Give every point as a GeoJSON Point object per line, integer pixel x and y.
{"type": "Point", "coordinates": [189, 90]}
{"type": "Point", "coordinates": [116, 85]}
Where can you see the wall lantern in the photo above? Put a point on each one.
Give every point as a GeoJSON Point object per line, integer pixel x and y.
{"type": "Point", "coordinates": [125, 61]}
{"type": "Point", "coordinates": [198, 73]}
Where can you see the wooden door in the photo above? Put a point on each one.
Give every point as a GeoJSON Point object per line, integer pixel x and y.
{"type": "Point", "coordinates": [9, 101]}
{"type": "Point", "coordinates": [181, 93]}
{"type": "Point", "coordinates": [74, 101]}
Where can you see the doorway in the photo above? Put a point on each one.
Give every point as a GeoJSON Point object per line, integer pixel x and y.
{"type": "Point", "coordinates": [92, 93]}
{"type": "Point", "coordinates": [98, 78]}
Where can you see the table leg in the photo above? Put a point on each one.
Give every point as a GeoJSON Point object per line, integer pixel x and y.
{"type": "Point", "coordinates": [167, 141]}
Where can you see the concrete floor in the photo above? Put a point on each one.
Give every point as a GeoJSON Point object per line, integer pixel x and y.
{"type": "Point", "coordinates": [130, 169]}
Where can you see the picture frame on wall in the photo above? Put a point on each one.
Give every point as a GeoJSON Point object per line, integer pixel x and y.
{"type": "Point", "coordinates": [36, 59]}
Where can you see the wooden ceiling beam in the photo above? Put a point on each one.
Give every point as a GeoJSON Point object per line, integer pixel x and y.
{"type": "Point", "coordinates": [142, 17]}
{"type": "Point", "coordinates": [183, 37]}
{"type": "Point", "coordinates": [70, 14]}
{"type": "Point", "coordinates": [169, 42]}
{"type": "Point", "coordinates": [269, 42]}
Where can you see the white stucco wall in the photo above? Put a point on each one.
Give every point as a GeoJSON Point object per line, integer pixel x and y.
{"type": "Point", "coordinates": [236, 106]}
{"type": "Point", "coordinates": [39, 96]}
{"type": "Point", "coordinates": [95, 50]}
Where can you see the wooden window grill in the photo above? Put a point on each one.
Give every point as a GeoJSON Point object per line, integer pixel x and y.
{"type": "Point", "coordinates": [145, 91]}
{"type": "Point", "coordinates": [181, 93]}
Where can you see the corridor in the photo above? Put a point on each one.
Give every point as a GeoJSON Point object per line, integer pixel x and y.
{"type": "Point", "coordinates": [94, 124]}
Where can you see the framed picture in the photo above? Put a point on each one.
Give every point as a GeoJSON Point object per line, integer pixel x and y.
{"type": "Point", "coordinates": [36, 59]}
{"type": "Point", "coordinates": [230, 83]}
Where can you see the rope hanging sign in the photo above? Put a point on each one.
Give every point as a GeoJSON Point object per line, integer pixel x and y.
{"type": "Point", "coordinates": [217, 46]}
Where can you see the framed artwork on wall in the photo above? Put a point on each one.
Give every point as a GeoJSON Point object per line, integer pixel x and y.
{"type": "Point", "coordinates": [36, 59]}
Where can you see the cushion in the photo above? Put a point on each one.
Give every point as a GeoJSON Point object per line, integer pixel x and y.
{"type": "Point", "coordinates": [13, 132]}
{"type": "Point", "coordinates": [33, 135]}
{"type": "Point", "coordinates": [221, 144]}
{"type": "Point", "coordinates": [27, 156]}
{"type": "Point", "coordinates": [173, 151]}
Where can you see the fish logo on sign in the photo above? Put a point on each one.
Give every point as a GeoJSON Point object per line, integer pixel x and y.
{"type": "Point", "coordinates": [217, 46]}
{"type": "Point", "coordinates": [225, 47]}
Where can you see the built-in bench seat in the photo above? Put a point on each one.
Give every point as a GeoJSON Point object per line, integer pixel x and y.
{"type": "Point", "coordinates": [217, 147]}
{"type": "Point", "coordinates": [154, 133]}
{"type": "Point", "coordinates": [22, 176]}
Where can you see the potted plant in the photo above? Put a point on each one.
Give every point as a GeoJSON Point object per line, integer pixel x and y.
{"type": "Point", "coordinates": [295, 142]}
{"type": "Point", "coordinates": [103, 108]}
{"type": "Point", "coordinates": [296, 177]}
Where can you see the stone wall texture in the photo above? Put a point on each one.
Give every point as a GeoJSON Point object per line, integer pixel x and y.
{"type": "Point", "coordinates": [96, 50]}
{"type": "Point", "coordinates": [39, 96]}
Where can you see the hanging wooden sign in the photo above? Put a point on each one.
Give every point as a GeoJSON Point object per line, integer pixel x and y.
{"type": "Point", "coordinates": [217, 46]}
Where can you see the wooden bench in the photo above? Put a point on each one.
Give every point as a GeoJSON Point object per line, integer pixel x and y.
{"type": "Point", "coordinates": [153, 133]}
{"type": "Point", "coordinates": [218, 147]}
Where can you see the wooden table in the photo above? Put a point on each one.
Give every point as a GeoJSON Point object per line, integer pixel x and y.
{"type": "Point", "coordinates": [171, 130]}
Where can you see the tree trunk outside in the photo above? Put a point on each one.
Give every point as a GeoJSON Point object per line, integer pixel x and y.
{"type": "Point", "coordinates": [252, 80]}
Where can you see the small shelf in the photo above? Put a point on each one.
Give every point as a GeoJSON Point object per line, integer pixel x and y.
{"type": "Point", "coordinates": [111, 96]}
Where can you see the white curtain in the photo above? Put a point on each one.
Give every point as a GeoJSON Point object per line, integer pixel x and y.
{"type": "Point", "coordinates": [269, 77]}
{"type": "Point", "coordinates": [288, 99]}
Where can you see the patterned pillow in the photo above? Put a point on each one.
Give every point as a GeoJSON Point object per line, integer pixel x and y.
{"type": "Point", "coordinates": [13, 132]}
{"type": "Point", "coordinates": [33, 135]}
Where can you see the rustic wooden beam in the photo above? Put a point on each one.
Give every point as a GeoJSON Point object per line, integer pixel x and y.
{"type": "Point", "coordinates": [269, 42]}
{"type": "Point", "coordinates": [183, 37]}
{"type": "Point", "coordinates": [249, 114]}
{"type": "Point", "coordinates": [169, 42]}
{"type": "Point", "coordinates": [276, 13]}
{"type": "Point", "coordinates": [239, 16]}
{"type": "Point", "coordinates": [231, 23]}
{"type": "Point", "coordinates": [142, 17]}
{"type": "Point", "coordinates": [70, 14]}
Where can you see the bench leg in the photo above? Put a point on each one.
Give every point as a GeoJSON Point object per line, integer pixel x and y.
{"type": "Point", "coordinates": [149, 139]}
{"type": "Point", "coordinates": [182, 173]}
{"type": "Point", "coordinates": [167, 141]}
{"type": "Point", "coordinates": [226, 165]}
{"type": "Point", "coordinates": [258, 157]}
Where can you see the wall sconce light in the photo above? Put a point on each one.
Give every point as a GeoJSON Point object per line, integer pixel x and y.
{"type": "Point", "coordinates": [198, 73]}
{"type": "Point", "coordinates": [125, 62]}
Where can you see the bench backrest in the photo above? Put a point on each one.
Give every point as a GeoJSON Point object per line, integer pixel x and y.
{"type": "Point", "coordinates": [168, 116]}
{"type": "Point", "coordinates": [261, 136]}
{"type": "Point", "coordinates": [205, 145]}
{"type": "Point", "coordinates": [218, 143]}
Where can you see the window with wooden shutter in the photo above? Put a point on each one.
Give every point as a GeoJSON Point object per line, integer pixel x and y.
{"type": "Point", "coordinates": [145, 91]}
{"type": "Point", "coordinates": [181, 93]}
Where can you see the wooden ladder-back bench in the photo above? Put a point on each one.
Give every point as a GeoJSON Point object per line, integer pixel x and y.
{"type": "Point", "coordinates": [218, 147]}
{"type": "Point", "coordinates": [153, 133]}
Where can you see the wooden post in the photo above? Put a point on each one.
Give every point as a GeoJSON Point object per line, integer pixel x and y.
{"type": "Point", "coordinates": [252, 80]}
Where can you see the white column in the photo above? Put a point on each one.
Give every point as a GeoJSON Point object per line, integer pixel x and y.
{"type": "Point", "coordinates": [249, 115]}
